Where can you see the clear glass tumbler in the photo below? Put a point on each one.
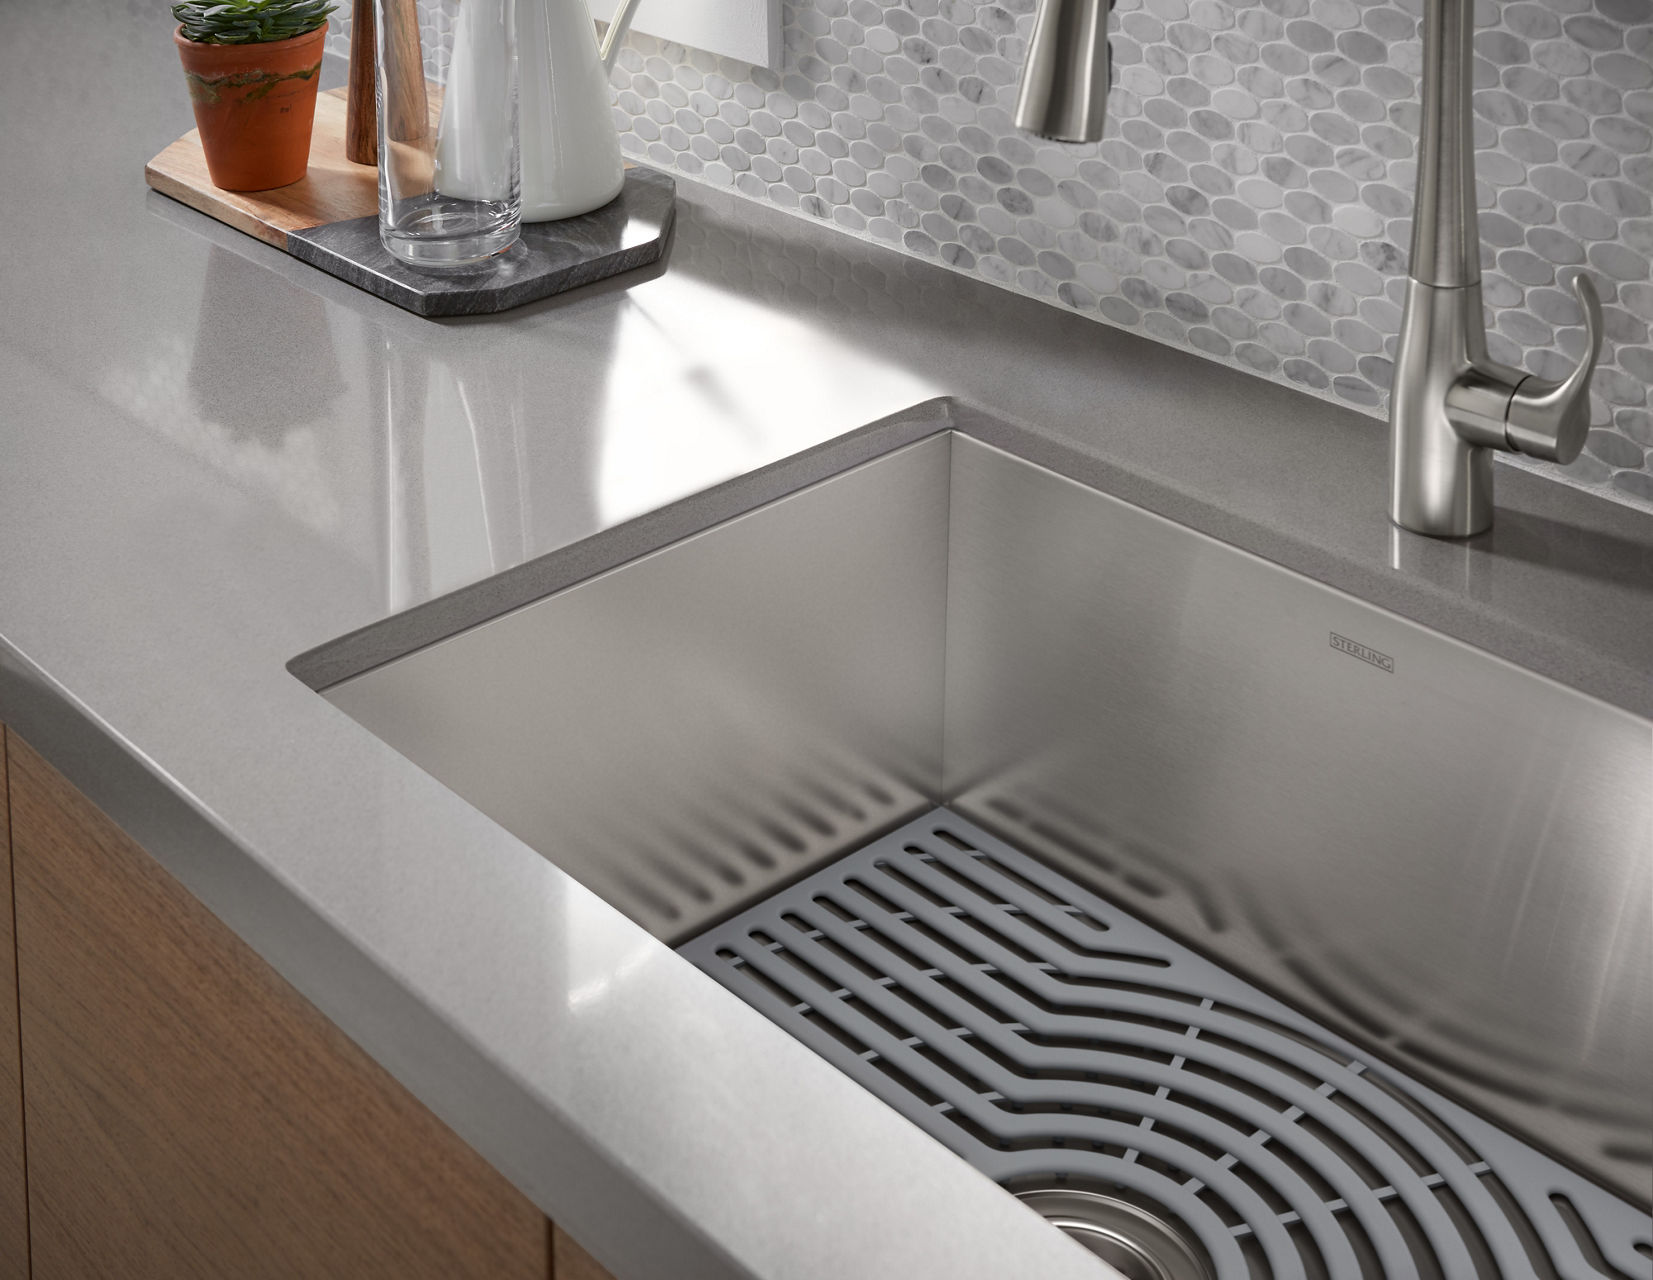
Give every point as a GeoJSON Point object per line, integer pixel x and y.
{"type": "Point", "coordinates": [449, 169]}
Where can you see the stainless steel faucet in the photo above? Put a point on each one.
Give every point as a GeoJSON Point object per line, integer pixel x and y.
{"type": "Point", "coordinates": [1450, 406]}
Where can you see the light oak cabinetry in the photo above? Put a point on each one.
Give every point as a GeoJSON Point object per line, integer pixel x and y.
{"type": "Point", "coordinates": [14, 1212]}
{"type": "Point", "coordinates": [188, 1114]}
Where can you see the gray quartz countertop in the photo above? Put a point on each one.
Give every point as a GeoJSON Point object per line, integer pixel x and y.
{"type": "Point", "coordinates": [213, 458]}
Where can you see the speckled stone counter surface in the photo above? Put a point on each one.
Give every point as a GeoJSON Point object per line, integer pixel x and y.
{"type": "Point", "coordinates": [213, 458]}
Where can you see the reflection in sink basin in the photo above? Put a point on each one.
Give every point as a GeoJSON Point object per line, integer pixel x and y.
{"type": "Point", "coordinates": [1442, 856]}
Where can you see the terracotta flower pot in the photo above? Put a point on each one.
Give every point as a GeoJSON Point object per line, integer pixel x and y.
{"type": "Point", "coordinates": [254, 105]}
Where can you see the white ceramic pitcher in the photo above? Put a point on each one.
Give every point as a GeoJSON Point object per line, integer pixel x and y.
{"type": "Point", "coordinates": [570, 151]}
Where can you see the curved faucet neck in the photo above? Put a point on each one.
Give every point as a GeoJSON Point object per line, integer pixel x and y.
{"type": "Point", "coordinates": [1446, 237]}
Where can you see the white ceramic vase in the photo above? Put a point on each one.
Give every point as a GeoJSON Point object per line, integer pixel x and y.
{"type": "Point", "coordinates": [570, 151]}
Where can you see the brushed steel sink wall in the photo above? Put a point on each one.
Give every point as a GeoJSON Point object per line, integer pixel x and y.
{"type": "Point", "coordinates": [1441, 855]}
{"type": "Point", "coordinates": [688, 731]}
{"type": "Point", "coordinates": [1438, 853]}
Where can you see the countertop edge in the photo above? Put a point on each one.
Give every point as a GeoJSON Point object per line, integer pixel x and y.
{"type": "Point", "coordinates": [544, 1153]}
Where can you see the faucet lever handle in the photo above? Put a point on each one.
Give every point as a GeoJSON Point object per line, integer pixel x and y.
{"type": "Point", "coordinates": [1549, 420]}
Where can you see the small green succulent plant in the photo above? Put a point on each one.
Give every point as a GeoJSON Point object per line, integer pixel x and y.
{"type": "Point", "coordinates": [249, 21]}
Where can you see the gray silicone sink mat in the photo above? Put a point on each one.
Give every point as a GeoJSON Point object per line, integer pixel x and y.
{"type": "Point", "coordinates": [1050, 1039]}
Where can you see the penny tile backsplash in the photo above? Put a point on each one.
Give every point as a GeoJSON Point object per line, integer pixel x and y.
{"type": "Point", "coordinates": [1252, 196]}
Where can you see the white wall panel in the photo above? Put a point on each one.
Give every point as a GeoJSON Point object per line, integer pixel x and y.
{"type": "Point", "coordinates": [746, 29]}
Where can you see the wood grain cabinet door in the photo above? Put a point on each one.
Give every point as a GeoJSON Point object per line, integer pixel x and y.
{"type": "Point", "coordinates": [189, 1115]}
{"type": "Point", "coordinates": [14, 1221]}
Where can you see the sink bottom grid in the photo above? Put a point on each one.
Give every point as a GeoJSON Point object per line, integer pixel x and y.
{"type": "Point", "coordinates": [1056, 1042]}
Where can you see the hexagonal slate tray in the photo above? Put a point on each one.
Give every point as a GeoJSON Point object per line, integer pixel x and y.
{"type": "Point", "coordinates": [630, 231]}
{"type": "Point", "coordinates": [329, 219]}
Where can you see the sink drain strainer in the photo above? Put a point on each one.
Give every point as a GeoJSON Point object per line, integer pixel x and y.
{"type": "Point", "coordinates": [1133, 1241]}
{"type": "Point", "coordinates": [1059, 1044]}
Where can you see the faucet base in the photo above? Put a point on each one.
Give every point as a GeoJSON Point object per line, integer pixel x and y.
{"type": "Point", "coordinates": [1440, 478]}
{"type": "Point", "coordinates": [1462, 512]}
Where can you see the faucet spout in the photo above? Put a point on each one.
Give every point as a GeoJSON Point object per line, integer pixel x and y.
{"type": "Point", "coordinates": [1446, 238]}
{"type": "Point", "coordinates": [1064, 89]}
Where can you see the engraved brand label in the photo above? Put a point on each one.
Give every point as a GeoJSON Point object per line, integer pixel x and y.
{"type": "Point", "coordinates": [1356, 650]}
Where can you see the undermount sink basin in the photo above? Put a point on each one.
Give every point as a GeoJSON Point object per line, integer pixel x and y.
{"type": "Point", "coordinates": [1439, 855]}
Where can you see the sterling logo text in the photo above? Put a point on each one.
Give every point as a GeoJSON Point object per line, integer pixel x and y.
{"type": "Point", "coordinates": [1354, 649]}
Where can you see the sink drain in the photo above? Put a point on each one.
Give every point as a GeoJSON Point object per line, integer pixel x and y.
{"type": "Point", "coordinates": [1058, 1043]}
{"type": "Point", "coordinates": [1133, 1241]}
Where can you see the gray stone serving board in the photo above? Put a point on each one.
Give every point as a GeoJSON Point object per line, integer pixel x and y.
{"type": "Point", "coordinates": [551, 257]}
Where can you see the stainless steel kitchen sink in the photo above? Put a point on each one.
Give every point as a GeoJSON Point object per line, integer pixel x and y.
{"type": "Point", "coordinates": [1443, 859]}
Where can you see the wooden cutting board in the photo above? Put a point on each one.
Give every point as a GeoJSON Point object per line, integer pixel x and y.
{"type": "Point", "coordinates": [330, 219]}
{"type": "Point", "coordinates": [334, 189]}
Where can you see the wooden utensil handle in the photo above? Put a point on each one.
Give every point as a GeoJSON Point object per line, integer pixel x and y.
{"type": "Point", "coordinates": [406, 110]}
{"type": "Point", "coordinates": [361, 125]}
